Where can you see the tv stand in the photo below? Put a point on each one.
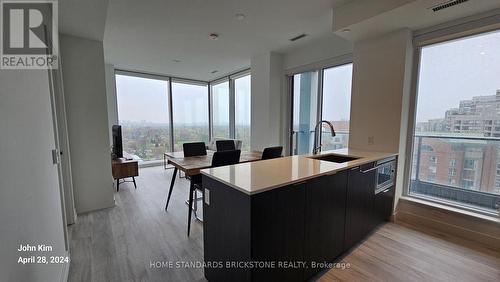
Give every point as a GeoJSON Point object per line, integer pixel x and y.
{"type": "Point", "coordinates": [124, 168]}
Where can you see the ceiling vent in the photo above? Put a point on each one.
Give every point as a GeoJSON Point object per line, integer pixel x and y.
{"type": "Point", "coordinates": [298, 37]}
{"type": "Point", "coordinates": [447, 4]}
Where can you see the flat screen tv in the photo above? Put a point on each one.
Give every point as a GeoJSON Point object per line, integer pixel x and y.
{"type": "Point", "coordinates": [117, 141]}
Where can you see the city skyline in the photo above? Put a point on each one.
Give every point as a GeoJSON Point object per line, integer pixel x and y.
{"type": "Point", "coordinates": [457, 70]}
{"type": "Point", "coordinates": [457, 111]}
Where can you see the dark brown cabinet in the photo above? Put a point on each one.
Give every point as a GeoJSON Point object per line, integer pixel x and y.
{"type": "Point", "coordinates": [325, 219]}
{"type": "Point", "coordinates": [277, 233]}
{"type": "Point", "coordinates": [382, 206]}
{"type": "Point", "coordinates": [312, 221]}
{"type": "Point", "coordinates": [359, 204]}
{"type": "Point", "coordinates": [240, 229]}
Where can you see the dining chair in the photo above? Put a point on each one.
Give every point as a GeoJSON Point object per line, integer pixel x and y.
{"type": "Point", "coordinates": [226, 158]}
{"type": "Point", "coordinates": [272, 152]}
{"type": "Point", "coordinates": [222, 158]}
{"type": "Point", "coordinates": [194, 149]}
{"type": "Point", "coordinates": [225, 145]}
{"type": "Point", "coordinates": [191, 149]}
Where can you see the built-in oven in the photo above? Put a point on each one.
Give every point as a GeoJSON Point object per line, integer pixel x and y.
{"type": "Point", "coordinates": [386, 174]}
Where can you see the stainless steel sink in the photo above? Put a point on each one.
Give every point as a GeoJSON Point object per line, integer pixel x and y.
{"type": "Point", "coordinates": [334, 158]}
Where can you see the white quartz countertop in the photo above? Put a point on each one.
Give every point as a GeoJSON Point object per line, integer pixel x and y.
{"type": "Point", "coordinates": [259, 176]}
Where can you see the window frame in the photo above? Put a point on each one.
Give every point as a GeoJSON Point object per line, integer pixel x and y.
{"type": "Point", "coordinates": [188, 82]}
{"type": "Point", "coordinates": [136, 74]}
{"type": "Point", "coordinates": [422, 39]}
{"type": "Point", "coordinates": [173, 79]}
{"type": "Point", "coordinates": [211, 105]}
{"type": "Point", "coordinates": [320, 69]}
{"type": "Point", "coordinates": [230, 79]}
{"type": "Point", "coordinates": [169, 80]}
{"type": "Point", "coordinates": [232, 100]}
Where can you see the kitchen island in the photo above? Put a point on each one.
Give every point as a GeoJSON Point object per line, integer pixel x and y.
{"type": "Point", "coordinates": [287, 219]}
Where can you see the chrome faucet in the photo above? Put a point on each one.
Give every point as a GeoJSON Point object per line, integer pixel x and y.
{"type": "Point", "coordinates": [317, 147]}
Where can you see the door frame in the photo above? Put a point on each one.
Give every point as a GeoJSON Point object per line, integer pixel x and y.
{"type": "Point", "coordinates": [319, 67]}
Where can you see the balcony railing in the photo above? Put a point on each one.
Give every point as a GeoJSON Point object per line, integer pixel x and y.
{"type": "Point", "coordinates": [461, 170]}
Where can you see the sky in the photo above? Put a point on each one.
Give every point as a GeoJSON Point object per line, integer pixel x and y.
{"type": "Point", "coordinates": [457, 70]}
{"type": "Point", "coordinates": [142, 99]}
{"type": "Point", "coordinates": [337, 93]}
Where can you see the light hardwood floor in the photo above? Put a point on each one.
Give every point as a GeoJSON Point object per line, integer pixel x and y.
{"type": "Point", "coordinates": [118, 244]}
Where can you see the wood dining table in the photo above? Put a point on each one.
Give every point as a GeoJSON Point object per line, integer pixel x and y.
{"type": "Point", "coordinates": [191, 166]}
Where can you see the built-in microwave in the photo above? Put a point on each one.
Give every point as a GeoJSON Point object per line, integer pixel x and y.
{"type": "Point", "coordinates": [385, 176]}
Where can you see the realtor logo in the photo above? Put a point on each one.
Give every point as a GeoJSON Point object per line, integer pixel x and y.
{"type": "Point", "coordinates": [28, 33]}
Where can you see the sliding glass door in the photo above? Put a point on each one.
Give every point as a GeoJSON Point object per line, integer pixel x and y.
{"type": "Point", "coordinates": [336, 106]}
{"type": "Point", "coordinates": [321, 95]}
{"type": "Point", "coordinates": [143, 114]}
{"type": "Point", "coordinates": [305, 111]}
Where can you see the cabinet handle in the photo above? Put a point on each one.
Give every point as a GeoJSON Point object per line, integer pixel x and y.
{"type": "Point", "coordinates": [368, 170]}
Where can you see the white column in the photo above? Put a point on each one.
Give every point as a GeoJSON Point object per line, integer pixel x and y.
{"type": "Point", "coordinates": [267, 80]}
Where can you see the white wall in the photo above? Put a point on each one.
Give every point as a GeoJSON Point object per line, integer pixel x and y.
{"type": "Point", "coordinates": [381, 96]}
{"type": "Point", "coordinates": [267, 74]}
{"type": "Point", "coordinates": [30, 200]}
{"type": "Point", "coordinates": [85, 93]}
{"type": "Point", "coordinates": [111, 98]}
{"type": "Point", "coordinates": [380, 75]}
{"type": "Point", "coordinates": [325, 48]}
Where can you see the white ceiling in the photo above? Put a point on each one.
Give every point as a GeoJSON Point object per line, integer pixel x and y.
{"type": "Point", "coordinates": [83, 18]}
{"type": "Point", "coordinates": [414, 14]}
{"type": "Point", "coordinates": [150, 35]}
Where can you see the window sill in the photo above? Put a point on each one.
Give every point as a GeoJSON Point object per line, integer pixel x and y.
{"type": "Point", "coordinates": [144, 164]}
{"type": "Point", "coordinates": [451, 210]}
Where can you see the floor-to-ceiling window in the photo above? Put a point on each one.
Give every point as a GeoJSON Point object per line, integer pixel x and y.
{"type": "Point", "coordinates": [456, 137]}
{"type": "Point", "coordinates": [220, 109]}
{"type": "Point", "coordinates": [323, 94]}
{"type": "Point", "coordinates": [159, 113]}
{"type": "Point", "coordinates": [143, 113]}
{"type": "Point", "coordinates": [190, 113]}
{"type": "Point", "coordinates": [231, 108]}
{"type": "Point", "coordinates": [242, 112]}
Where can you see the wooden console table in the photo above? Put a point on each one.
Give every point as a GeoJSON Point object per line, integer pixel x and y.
{"type": "Point", "coordinates": [124, 168]}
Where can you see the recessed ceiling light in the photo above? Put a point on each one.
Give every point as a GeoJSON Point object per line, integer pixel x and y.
{"type": "Point", "coordinates": [346, 30]}
{"type": "Point", "coordinates": [240, 16]}
{"type": "Point", "coordinates": [213, 36]}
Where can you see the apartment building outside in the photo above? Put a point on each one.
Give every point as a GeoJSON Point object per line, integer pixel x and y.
{"type": "Point", "coordinates": [460, 150]}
